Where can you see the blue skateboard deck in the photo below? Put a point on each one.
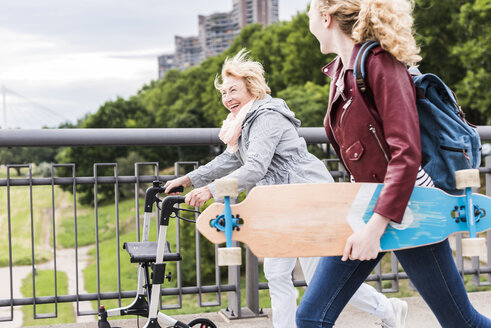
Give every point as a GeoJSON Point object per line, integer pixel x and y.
{"type": "Point", "coordinates": [431, 216]}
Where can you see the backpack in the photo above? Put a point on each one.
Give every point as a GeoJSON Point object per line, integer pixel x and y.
{"type": "Point", "coordinates": [448, 142]}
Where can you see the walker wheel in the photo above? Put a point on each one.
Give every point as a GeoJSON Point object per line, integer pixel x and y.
{"type": "Point", "coordinates": [226, 187]}
{"type": "Point", "coordinates": [474, 247]}
{"type": "Point", "coordinates": [202, 323]}
{"type": "Point", "coordinates": [229, 256]}
{"type": "Point", "coordinates": [467, 178]}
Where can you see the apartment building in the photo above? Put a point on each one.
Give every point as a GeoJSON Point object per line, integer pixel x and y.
{"type": "Point", "coordinates": [217, 32]}
{"type": "Point", "coordinates": [189, 51]}
{"type": "Point", "coordinates": [247, 12]}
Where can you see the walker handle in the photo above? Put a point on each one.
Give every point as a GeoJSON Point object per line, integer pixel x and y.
{"type": "Point", "coordinates": [168, 207]}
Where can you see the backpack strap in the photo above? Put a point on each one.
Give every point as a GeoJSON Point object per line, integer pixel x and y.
{"type": "Point", "coordinates": [359, 67]}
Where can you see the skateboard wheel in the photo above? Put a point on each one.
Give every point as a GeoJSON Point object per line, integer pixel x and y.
{"type": "Point", "coordinates": [226, 187]}
{"type": "Point", "coordinates": [474, 247]}
{"type": "Point", "coordinates": [467, 178]}
{"type": "Point", "coordinates": [229, 256]}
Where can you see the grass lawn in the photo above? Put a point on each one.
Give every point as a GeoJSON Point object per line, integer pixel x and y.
{"type": "Point", "coordinates": [45, 287]}
{"type": "Point", "coordinates": [20, 220]}
{"type": "Point", "coordinates": [106, 215]}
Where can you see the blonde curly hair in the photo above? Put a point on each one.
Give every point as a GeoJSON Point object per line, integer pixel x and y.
{"type": "Point", "coordinates": [252, 72]}
{"type": "Point", "coordinates": [387, 21]}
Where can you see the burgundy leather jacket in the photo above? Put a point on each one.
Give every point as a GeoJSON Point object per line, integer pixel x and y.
{"type": "Point", "coordinates": [377, 139]}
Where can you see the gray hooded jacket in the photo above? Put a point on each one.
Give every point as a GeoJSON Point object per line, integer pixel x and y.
{"type": "Point", "coordinates": [270, 152]}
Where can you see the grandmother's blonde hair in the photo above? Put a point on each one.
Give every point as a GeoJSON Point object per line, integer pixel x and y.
{"type": "Point", "coordinates": [252, 72]}
{"type": "Point", "coordinates": [388, 21]}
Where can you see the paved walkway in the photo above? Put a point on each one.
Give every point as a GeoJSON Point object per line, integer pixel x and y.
{"type": "Point", "coordinates": [419, 316]}
{"type": "Point", "coordinates": [66, 263]}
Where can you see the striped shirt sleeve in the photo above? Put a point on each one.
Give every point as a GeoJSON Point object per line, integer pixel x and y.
{"type": "Point", "coordinates": [422, 179]}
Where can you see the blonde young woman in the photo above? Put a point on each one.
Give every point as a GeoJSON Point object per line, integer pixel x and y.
{"type": "Point", "coordinates": [264, 148]}
{"type": "Point", "coordinates": [378, 141]}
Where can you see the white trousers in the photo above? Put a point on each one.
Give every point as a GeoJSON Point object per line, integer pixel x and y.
{"type": "Point", "coordinates": [278, 272]}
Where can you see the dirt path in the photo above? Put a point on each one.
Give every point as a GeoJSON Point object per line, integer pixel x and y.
{"type": "Point", "coordinates": [65, 262]}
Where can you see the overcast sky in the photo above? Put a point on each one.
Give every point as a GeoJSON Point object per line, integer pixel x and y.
{"type": "Point", "coordinates": [61, 59]}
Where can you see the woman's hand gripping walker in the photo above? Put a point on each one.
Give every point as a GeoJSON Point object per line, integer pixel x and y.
{"type": "Point", "coordinates": [226, 189]}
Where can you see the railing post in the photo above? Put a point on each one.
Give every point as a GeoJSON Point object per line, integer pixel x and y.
{"type": "Point", "coordinates": [342, 170]}
{"type": "Point", "coordinates": [251, 282]}
{"type": "Point", "coordinates": [234, 310]}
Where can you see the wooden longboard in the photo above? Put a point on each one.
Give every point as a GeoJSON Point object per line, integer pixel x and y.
{"type": "Point", "coordinates": [302, 220]}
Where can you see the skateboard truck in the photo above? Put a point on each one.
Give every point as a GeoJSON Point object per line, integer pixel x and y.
{"type": "Point", "coordinates": [219, 222]}
{"type": "Point", "coordinates": [465, 180]}
{"type": "Point", "coordinates": [459, 213]}
{"type": "Point", "coordinates": [229, 255]}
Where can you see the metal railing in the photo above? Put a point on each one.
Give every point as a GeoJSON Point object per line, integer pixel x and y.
{"type": "Point", "coordinates": [480, 273]}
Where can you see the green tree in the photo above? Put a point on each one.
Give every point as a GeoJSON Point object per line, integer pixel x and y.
{"type": "Point", "coordinates": [113, 114]}
{"type": "Point", "coordinates": [474, 53]}
{"type": "Point", "coordinates": [454, 36]}
{"type": "Point", "coordinates": [186, 100]}
{"type": "Point", "coordinates": [12, 156]}
{"type": "Point", "coordinates": [27, 155]}
{"type": "Point", "coordinates": [436, 33]}
{"type": "Point", "coordinates": [307, 101]}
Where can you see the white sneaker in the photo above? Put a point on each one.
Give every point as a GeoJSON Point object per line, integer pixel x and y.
{"type": "Point", "coordinates": [400, 314]}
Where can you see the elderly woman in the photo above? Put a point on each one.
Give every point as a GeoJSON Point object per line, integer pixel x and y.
{"type": "Point", "coordinates": [264, 148]}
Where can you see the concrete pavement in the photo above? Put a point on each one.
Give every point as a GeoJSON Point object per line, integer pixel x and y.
{"type": "Point", "coordinates": [419, 316]}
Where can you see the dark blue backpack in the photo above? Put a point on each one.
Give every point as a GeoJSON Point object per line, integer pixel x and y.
{"type": "Point", "coordinates": [448, 142]}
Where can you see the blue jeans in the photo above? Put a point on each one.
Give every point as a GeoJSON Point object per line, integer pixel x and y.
{"type": "Point", "coordinates": [431, 269]}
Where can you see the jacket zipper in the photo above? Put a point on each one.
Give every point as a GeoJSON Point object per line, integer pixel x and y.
{"type": "Point", "coordinates": [372, 129]}
{"type": "Point", "coordinates": [345, 109]}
